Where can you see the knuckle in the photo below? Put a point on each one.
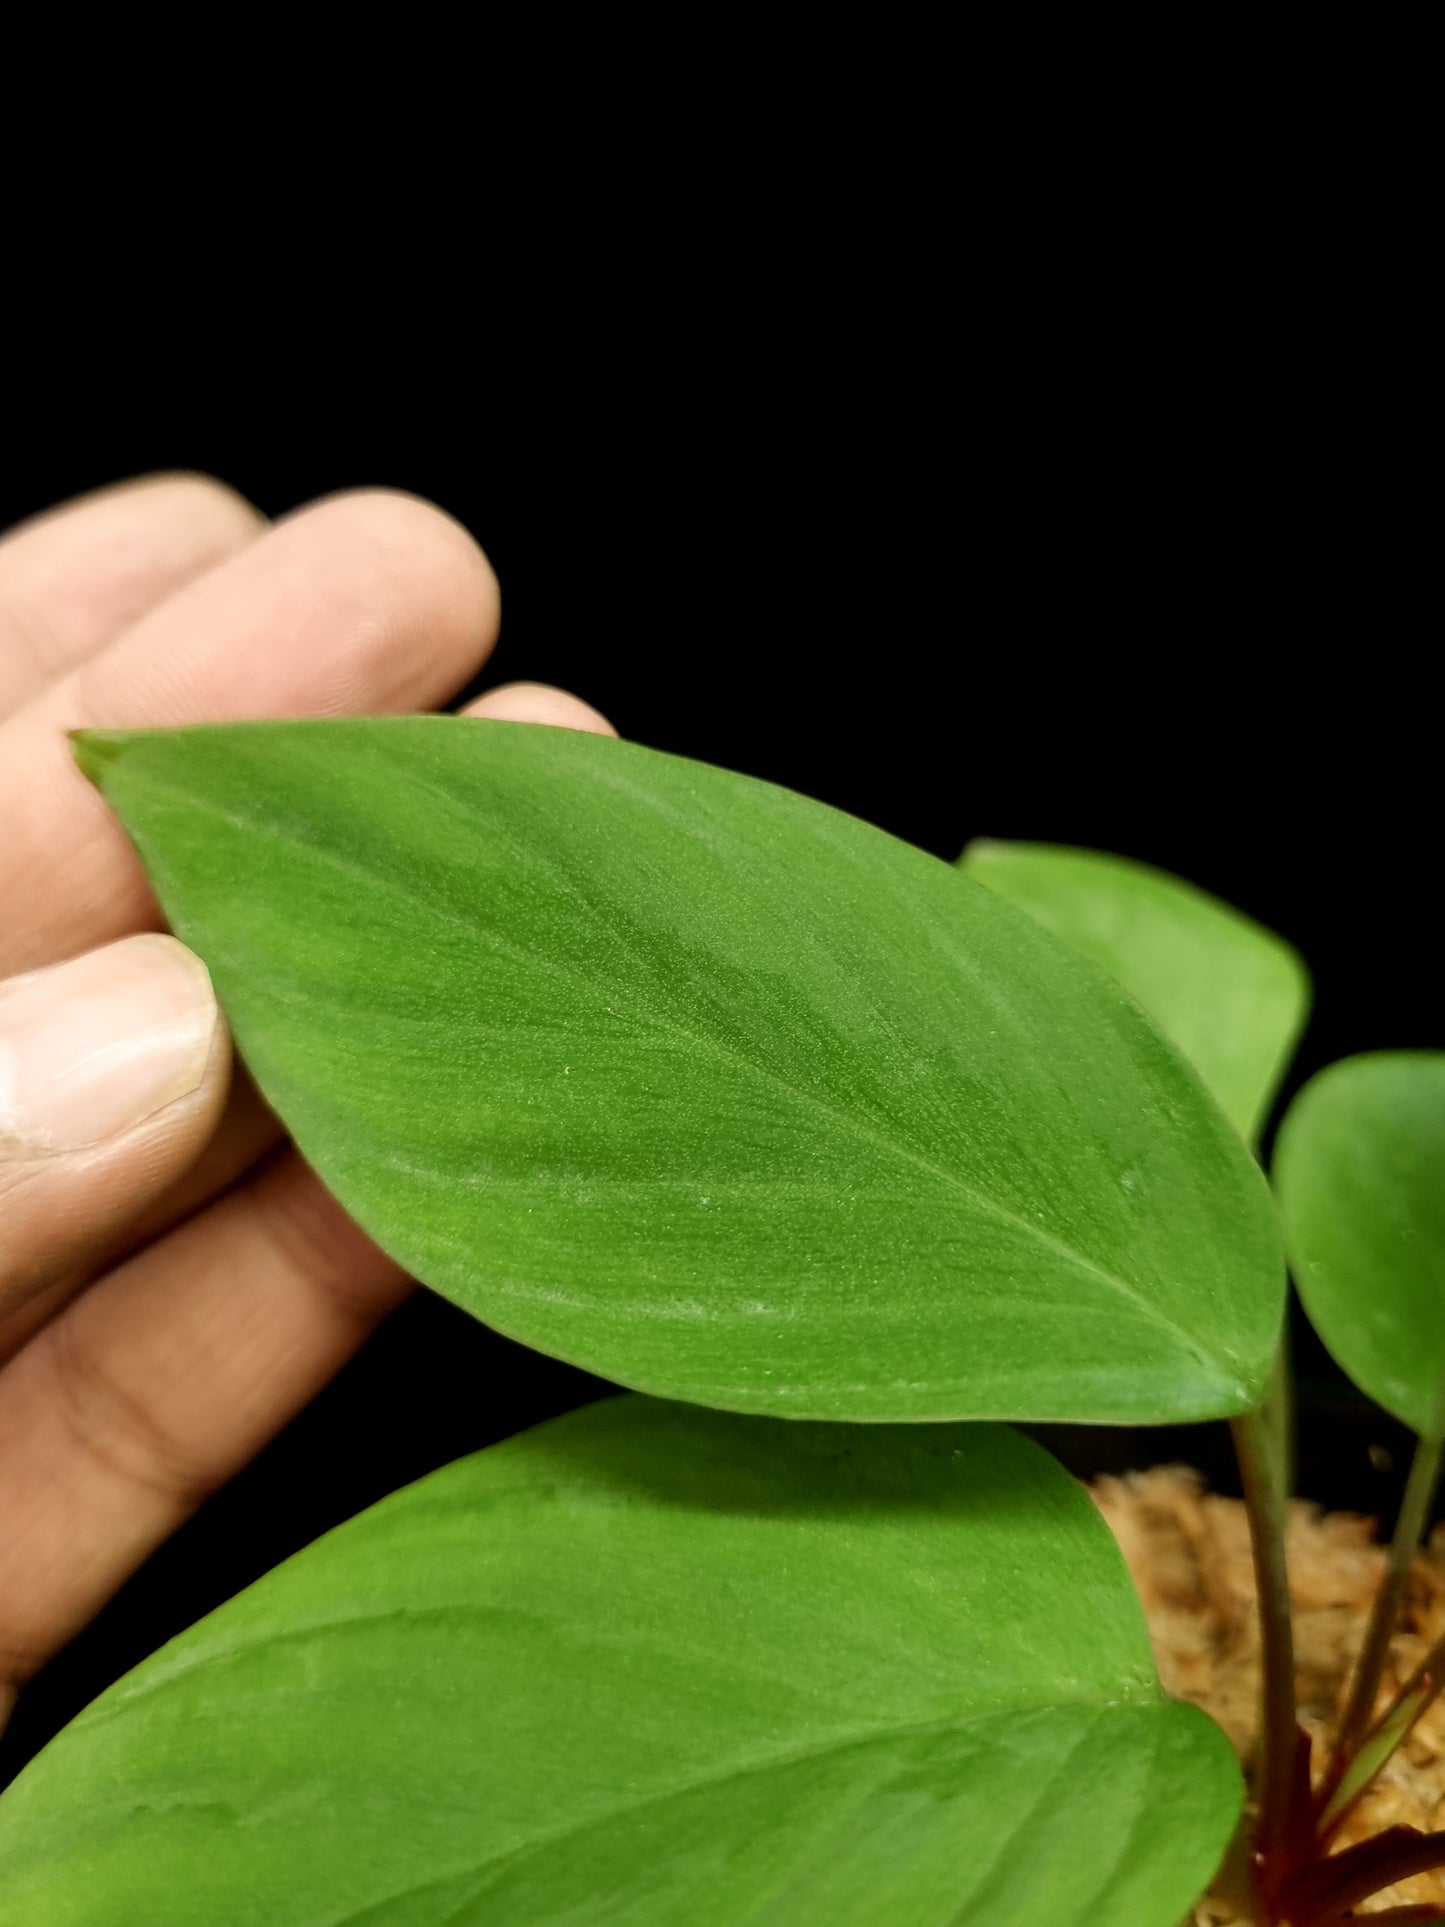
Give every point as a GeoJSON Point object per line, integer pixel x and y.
{"type": "Point", "coordinates": [26, 636]}
{"type": "Point", "coordinates": [27, 1258]}
{"type": "Point", "coordinates": [112, 1429]}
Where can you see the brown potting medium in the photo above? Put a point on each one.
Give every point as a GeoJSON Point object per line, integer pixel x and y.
{"type": "Point", "coordinates": [1188, 1550]}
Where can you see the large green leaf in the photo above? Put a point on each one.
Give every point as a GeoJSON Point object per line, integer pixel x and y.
{"type": "Point", "coordinates": [1231, 994]}
{"type": "Point", "coordinates": [705, 1086]}
{"type": "Point", "coordinates": [653, 1667]}
{"type": "Point", "coordinates": [1360, 1171]}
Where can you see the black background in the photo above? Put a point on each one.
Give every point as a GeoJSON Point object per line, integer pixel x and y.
{"type": "Point", "coordinates": [1167, 609]}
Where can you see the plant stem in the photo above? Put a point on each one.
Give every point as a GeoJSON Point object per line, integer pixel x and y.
{"type": "Point", "coordinates": [1330, 1888]}
{"type": "Point", "coordinates": [1370, 1667]}
{"type": "Point", "coordinates": [1264, 1502]}
{"type": "Point", "coordinates": [1350, 1777]}
{"type": "Point", "coordinates": [1418, 1695]}
{"type": "Point", "coordinates": [1278, 1409]}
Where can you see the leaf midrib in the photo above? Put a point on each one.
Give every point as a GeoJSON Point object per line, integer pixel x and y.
{"type": "Point", "coordinates": [859, 1127]}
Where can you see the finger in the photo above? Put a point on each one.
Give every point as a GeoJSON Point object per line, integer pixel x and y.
{"type": "Point", "coordinates": [160, 1382]}
{"type": "Point", "coordinates": [73, 578]}
{"type": "Point", "coordinates": [113, 1071]}
{"type": "Point", "coordinates": [248, 1131]}
{"type": "Point", "coordinates": [537, 702]}
{"type": "Point", "coordinates": [365, 603]}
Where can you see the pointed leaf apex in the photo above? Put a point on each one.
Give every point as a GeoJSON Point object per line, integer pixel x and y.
{"type": "Point", "coordinates": [96, 749]}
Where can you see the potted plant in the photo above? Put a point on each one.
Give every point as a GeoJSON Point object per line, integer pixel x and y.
{"type": "Point", "coordinates": [847, 1162]}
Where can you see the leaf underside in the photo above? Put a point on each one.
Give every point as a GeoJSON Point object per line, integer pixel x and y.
{"type": "Point", "coordinates": [704, 1086]}
{"type": "Point", "coordinates": [651, 1665]}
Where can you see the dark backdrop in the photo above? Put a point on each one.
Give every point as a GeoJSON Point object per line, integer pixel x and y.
{"type": "Point", "coordinates": [1183, 628]}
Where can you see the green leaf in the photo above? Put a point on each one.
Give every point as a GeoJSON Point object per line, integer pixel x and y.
{"type": "Point", "coordinates": [1359, 1167]}
{"type": "Point", "coordinates": [704, 1086]}
{"type": "Point", "coordinates": [649, 1665]}
{"type": "Point", "coordinates": [1231, 994]}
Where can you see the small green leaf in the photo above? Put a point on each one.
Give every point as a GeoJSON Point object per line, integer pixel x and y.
{"type": "Point", "coordinates": [1360, 1172]}
{"type": "Point", "coordinates": [704, 1086]}
{"type": "Point", "coordinates": [1231, 994]}
{"type": "Point", "coordinates": [646, 1666]}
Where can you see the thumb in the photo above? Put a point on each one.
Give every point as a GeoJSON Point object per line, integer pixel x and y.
{"type": "Point", "coordinates": [113, 1069]}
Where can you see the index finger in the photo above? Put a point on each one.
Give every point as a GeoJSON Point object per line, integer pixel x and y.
{"type": "Point", "coordinates": [364, 603]}
{"type": "Point", "coordinates": [72, 578]}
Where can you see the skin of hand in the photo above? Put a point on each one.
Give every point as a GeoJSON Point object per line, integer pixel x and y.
{"type": "Point", "coordinates": [174, 1283]}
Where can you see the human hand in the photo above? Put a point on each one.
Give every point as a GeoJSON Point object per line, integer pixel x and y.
{"type": "Point", "coordinates": [174, 1284]}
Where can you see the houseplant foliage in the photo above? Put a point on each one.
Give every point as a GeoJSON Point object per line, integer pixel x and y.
{"type": "Point", "coordinates": [653, 1664]}
{"type": "Point", "coordinates": [1360, 1169]}
{"type": "Point", "coordinates": [747, 1105]}
{"type": "Point", "coordinates": [1228, 991]}
{"type": "Point", "coordinates": [708, 1088]}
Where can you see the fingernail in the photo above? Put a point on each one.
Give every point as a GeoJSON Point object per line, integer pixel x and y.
{"type": "Point", "coordinates": [93, 1047]}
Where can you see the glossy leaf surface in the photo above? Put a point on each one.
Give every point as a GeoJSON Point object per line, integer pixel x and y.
{"type": "Point", "coordinates": [710, 1088]}
{"type": "Point", "coordinates": [653, 1665]}
{"type": "Point", "coordinates": [1360, 1172]}
{"type": "Point", "coordinates": [1230, 993]}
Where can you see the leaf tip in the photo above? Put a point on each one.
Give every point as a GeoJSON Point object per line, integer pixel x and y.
{"type": "Point", "coordinates": [977, 849]}
{"type": "Point", "coordinates": [95, 750]}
